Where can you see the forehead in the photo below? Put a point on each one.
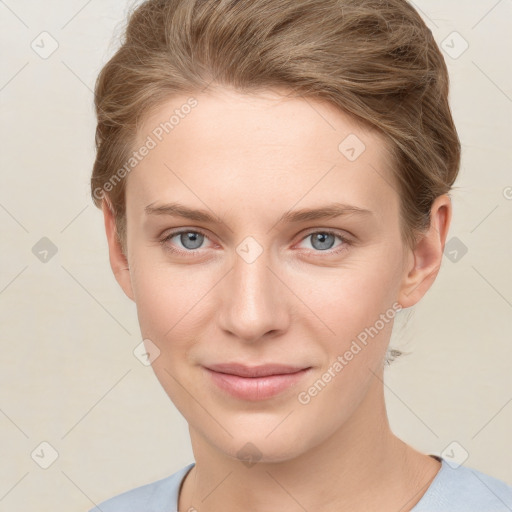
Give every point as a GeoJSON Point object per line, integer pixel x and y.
{"type": "Point", "coordinates": [259, 149]}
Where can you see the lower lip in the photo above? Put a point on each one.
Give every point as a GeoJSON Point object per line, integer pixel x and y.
{"type": "Point", "coordinates": [255, 388]}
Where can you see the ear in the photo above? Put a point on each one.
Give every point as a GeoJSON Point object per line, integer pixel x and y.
{"type": "Point", "coordinates": [425, 259]}
{"type": "Point", "coordinates": [118, 261]}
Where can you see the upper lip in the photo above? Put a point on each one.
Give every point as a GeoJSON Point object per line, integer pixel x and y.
{"type": "Point", "coordinates": [255, 371]}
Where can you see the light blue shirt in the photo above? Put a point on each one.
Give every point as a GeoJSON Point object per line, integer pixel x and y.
{"type": "Point", "coordinates": [460, 489]}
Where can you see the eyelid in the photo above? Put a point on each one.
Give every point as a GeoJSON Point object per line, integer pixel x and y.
{"type": "Point", "coordinates": [344, 235]}
{"type": "Point", "coordinates": [332, 231]}
{"type": "Point", "coordinates": [346, 241]}
{"type": "Point", "coordinates": [179, 231]}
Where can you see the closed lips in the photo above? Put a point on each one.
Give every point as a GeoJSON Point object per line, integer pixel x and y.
{"type": "Point", "coordinates": [255, 371]}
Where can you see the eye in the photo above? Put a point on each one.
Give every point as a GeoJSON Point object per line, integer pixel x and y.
{"type": "Point", "coordinates": [323, 241]}
{"type": "Point", "coordinates": [190, 240]}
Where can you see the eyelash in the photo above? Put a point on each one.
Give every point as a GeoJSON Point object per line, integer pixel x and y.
{"type": "Point", "coordinates": [196, 252]}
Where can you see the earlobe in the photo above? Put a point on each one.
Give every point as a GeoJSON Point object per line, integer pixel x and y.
{"type": "Point", "coordinates": [427, 256]}
{"type": "Point", "coordinates": [118, 261]}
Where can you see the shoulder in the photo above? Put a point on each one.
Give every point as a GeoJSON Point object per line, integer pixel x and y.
{"type": "Point", "coordinates": [464, 489]}
{"type": "Point", "coordinates": [159, 496]}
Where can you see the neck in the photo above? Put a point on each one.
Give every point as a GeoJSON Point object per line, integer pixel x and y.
{"type": "Point", "coordinates": [362, 466]}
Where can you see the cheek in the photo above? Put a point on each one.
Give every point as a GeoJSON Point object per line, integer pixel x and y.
{"type": "Point", "coordinates": [352, 297]}
{"type": "Point", "coordinates": [360, 310]}
{"type": "Point", "coordinates": [170, 301]}
{"type": "Point", "coordinates": [168, 304]}
{"type": "Point", "coordinates": [347, 298]}
{"type": "Point", "coordinates": [358, 304]}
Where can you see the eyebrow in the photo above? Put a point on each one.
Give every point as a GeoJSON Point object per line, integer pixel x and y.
{"type": "Point", "coordinates": [328, 211]}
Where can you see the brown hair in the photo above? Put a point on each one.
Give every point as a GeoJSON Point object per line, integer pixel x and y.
{"type": "Point", "coordinates": [374, 59]}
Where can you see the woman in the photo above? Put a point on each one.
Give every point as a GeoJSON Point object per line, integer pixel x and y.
{"type": "Point", "coordinates": [274, 178]}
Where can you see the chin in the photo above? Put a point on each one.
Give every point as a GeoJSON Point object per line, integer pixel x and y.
{"type": "Point", "coordinates": [262, 451]}
{"type": "Point", "coordinates": [254, 443]}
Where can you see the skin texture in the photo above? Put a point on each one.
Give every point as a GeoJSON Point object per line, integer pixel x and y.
{"type": "Point", "coordinates": [248, 159]}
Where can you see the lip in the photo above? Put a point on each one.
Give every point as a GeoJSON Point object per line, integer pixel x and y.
{"type": "Point", "coordinates": [255, 382]}
{"type": "Point", "coordinates": [262, 370]}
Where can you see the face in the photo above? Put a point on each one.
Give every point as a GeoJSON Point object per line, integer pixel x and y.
{"type": "Point", "coordinates": [254, 279]}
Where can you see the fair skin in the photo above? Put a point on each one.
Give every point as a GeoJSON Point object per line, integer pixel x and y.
{"type": "Point", "coordinates": [247, 160]}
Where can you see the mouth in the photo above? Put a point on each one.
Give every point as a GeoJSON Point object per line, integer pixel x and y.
{"type": "Point", "coordinates": [255, 382]}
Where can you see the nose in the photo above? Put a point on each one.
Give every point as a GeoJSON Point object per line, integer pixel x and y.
{"type": "Point", "coordinates": [254, 301]}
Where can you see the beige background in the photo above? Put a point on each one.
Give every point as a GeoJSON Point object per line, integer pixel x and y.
{"type": "Point", "coordinates": [68, 374]}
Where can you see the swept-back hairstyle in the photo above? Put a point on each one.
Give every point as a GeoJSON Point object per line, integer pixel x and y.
{"type": "Point", "coordinates": [374, 59]}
